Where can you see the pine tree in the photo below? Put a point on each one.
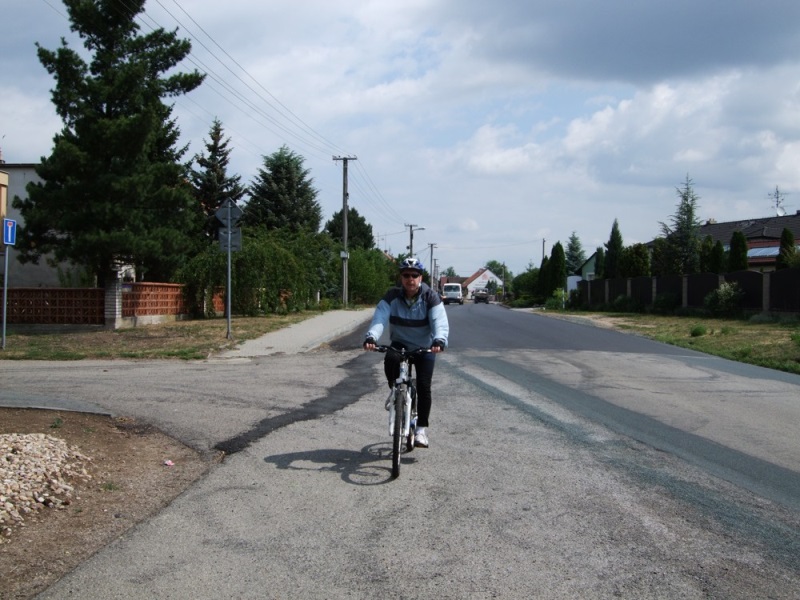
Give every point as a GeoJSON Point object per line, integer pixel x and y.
{"type": "Point", "coordinates": [614, 249]}
{"type": "Point", "coordinates": [635, 261]}
{"type": "Point", "coordinates": [717, 262]}
{"type": "Point", "coordinates": [706, 253]}
{"type": "Point", "coordinates": [282, 195]}
{"type": "Point", "coordinates": [659, 261]}
{"type": "Point", "coordinates": [737, 260]}
{"type": "Point", "coordinates": [556, 270]}
{"type": "Point", "coordinates": [600, 263]}
{"type": "Point", "coordinates": [211, 184]}
{"type": "Point", "coordinates": [114, 190]}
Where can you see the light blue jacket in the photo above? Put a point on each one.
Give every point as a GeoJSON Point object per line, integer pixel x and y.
{"type": "Point", "coordinates": [415, 324]}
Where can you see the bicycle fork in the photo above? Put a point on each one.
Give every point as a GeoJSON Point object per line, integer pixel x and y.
{"type": "Point", "coordinates": [390, 402]}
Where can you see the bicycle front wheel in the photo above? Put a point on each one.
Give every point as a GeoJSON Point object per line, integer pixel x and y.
{"type": "Point", "coordinates": [397, 434]}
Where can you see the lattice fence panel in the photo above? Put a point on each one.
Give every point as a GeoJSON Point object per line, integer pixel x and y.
{"type": "Point", "coordinates": [146, 299]}
{"type": "Point", "coordinates": [56, 306]}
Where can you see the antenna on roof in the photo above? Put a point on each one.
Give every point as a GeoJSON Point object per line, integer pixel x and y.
{"type": "Point", "coordinates": [777, 199]}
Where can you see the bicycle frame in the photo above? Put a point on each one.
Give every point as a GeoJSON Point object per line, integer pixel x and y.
{"type": "Point", "coordinates": [402, 385]}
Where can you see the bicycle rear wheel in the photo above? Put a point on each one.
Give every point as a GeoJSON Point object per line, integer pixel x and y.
{"type": "Point", "coordinates": [397, 434]}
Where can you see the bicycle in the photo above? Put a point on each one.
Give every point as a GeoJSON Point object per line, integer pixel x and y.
{"type": "Point", "coordinates": [402, 405]}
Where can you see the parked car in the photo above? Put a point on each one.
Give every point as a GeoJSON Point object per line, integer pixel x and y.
{"type": "Point", "coordinates": [480, 295]}
{"type": "Point", "coordinates": [452, 293]}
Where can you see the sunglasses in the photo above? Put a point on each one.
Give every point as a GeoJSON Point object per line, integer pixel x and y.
{"type": "Point", "coordinates": [410, 275]}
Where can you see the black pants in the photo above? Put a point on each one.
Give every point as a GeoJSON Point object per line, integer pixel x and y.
{"type": "Point", "coordinates": [423, 365]}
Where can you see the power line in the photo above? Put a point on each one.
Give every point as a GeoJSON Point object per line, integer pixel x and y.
{"type": "Point", "coordinates": [264, 109]}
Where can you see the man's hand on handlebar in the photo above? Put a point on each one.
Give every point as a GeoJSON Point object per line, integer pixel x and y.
{"type": "Point", "coordinates": [437, 346]}
{"type": "Point", "coordinates": [370, 344]}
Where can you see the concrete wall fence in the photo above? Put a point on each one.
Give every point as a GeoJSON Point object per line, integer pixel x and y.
{"type": "Point", "coordinates": [774, 291]}
{"type": "Point", "coordinates": [119, 305]}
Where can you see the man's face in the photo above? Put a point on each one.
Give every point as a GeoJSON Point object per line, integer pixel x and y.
{"type": "Point", "coordinates": [411, 281]}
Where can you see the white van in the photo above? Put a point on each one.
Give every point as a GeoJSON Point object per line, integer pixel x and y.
{"type": "Point", "coordinates": [451, 292]}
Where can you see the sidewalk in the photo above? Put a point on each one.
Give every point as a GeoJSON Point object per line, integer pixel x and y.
{"type": "Point", "coordinates": [303, 336]}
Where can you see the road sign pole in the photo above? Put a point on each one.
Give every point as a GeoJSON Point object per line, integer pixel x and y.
{"type": "Point", "coordinates": [228, 294]}
{"type": "Point", "coordinates": [228, 214]}
{"type": "Point", "coordinates": [5, 293]}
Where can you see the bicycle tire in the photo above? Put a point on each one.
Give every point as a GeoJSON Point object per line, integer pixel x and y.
{"type": "Point", "coordinates": [399, 409]}
{"type": "Point", "coordinates": [411, 438]}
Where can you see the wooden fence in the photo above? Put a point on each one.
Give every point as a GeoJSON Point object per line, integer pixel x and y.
{"type": "Point", "coordinates": [775, 291]}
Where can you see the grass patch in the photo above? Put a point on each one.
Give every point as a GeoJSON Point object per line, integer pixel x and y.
{"type": "Point", "coordinates": [770, 343]}
{"type": "Point", "coordinates": [178, 340]}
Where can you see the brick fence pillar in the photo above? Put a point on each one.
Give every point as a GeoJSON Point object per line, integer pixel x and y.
{"type": "Point", "coordinates": [113, 304]}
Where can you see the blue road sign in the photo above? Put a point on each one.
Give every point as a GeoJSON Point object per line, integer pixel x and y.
{"type": "Point", "coordinates": [9, 232]}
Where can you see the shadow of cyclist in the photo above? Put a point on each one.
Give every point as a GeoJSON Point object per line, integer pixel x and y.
{"type": "Point", "coordinates": [369, 466]}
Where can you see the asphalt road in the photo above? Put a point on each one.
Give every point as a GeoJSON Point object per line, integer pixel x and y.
{"type": "Point", "coordinates": [538, 482]}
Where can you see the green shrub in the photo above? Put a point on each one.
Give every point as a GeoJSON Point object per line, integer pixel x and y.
{"type": "Point", "coordinates": [698, 331]}
{"type": "Point", "coordinates": [556, 301]}
{"type": "Point", "coordinates": [521, 302]}
{"type": "Point", "coordinates": [666, 304]}
{"type": "Point", "coordinates": [725, 301]}
{"type": "Point", "coordinates": [624, 304]}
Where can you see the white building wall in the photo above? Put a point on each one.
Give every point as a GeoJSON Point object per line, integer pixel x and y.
{"type": "Point", "coordinates": [482, 281]}
{"type": "Point", "coordinates": [23, 275]}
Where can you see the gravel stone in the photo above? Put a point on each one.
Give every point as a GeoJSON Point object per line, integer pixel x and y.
{"type": "Point", "coordinates": [34, 472]}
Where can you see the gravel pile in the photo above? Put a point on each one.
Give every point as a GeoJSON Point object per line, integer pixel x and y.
{"type": "Point", "coordinates": [34, 469]}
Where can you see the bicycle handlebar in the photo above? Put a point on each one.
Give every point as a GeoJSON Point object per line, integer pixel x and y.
{"type": "Point", "coordinates": [402, 351]}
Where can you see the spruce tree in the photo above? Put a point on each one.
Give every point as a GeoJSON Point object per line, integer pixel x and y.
{"type": "Point", "coordinates": [682, 235]}
{"type": "Point", "coordinates": [114, 190]}
{"type": "Point", "coordinates": [282, 195]}
{"type": "Point", "coordinates": [211, 184]}
{"type": "Point", "coordinates": [575, 256]}
{"type": "Point", "coordinates": [359, 232]}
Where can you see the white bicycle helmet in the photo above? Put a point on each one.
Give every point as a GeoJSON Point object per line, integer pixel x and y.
{"type": "Point", "coordinates": [412, 263]}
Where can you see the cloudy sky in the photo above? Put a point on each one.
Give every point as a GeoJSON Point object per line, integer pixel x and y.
{"type": "Point", "coordinates": [498, 127]}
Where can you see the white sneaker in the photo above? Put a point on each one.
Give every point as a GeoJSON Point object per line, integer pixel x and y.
{"type": "Point", "coordinates": [421, 437]}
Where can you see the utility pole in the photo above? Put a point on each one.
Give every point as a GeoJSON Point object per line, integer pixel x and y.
{"type": "Point", "coordinates": [345, 255]}
{"type": "Point", "coordinates": [411, 231]}
{"type": "Point", "coordinates": [430, 264]}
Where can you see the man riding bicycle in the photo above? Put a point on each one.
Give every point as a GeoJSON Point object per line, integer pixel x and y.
{"type": "Point", "coordinates": [417, 319]}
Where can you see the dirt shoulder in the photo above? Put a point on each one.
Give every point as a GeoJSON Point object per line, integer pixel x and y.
{"type": "Point", "coordinates": [134, 469]}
